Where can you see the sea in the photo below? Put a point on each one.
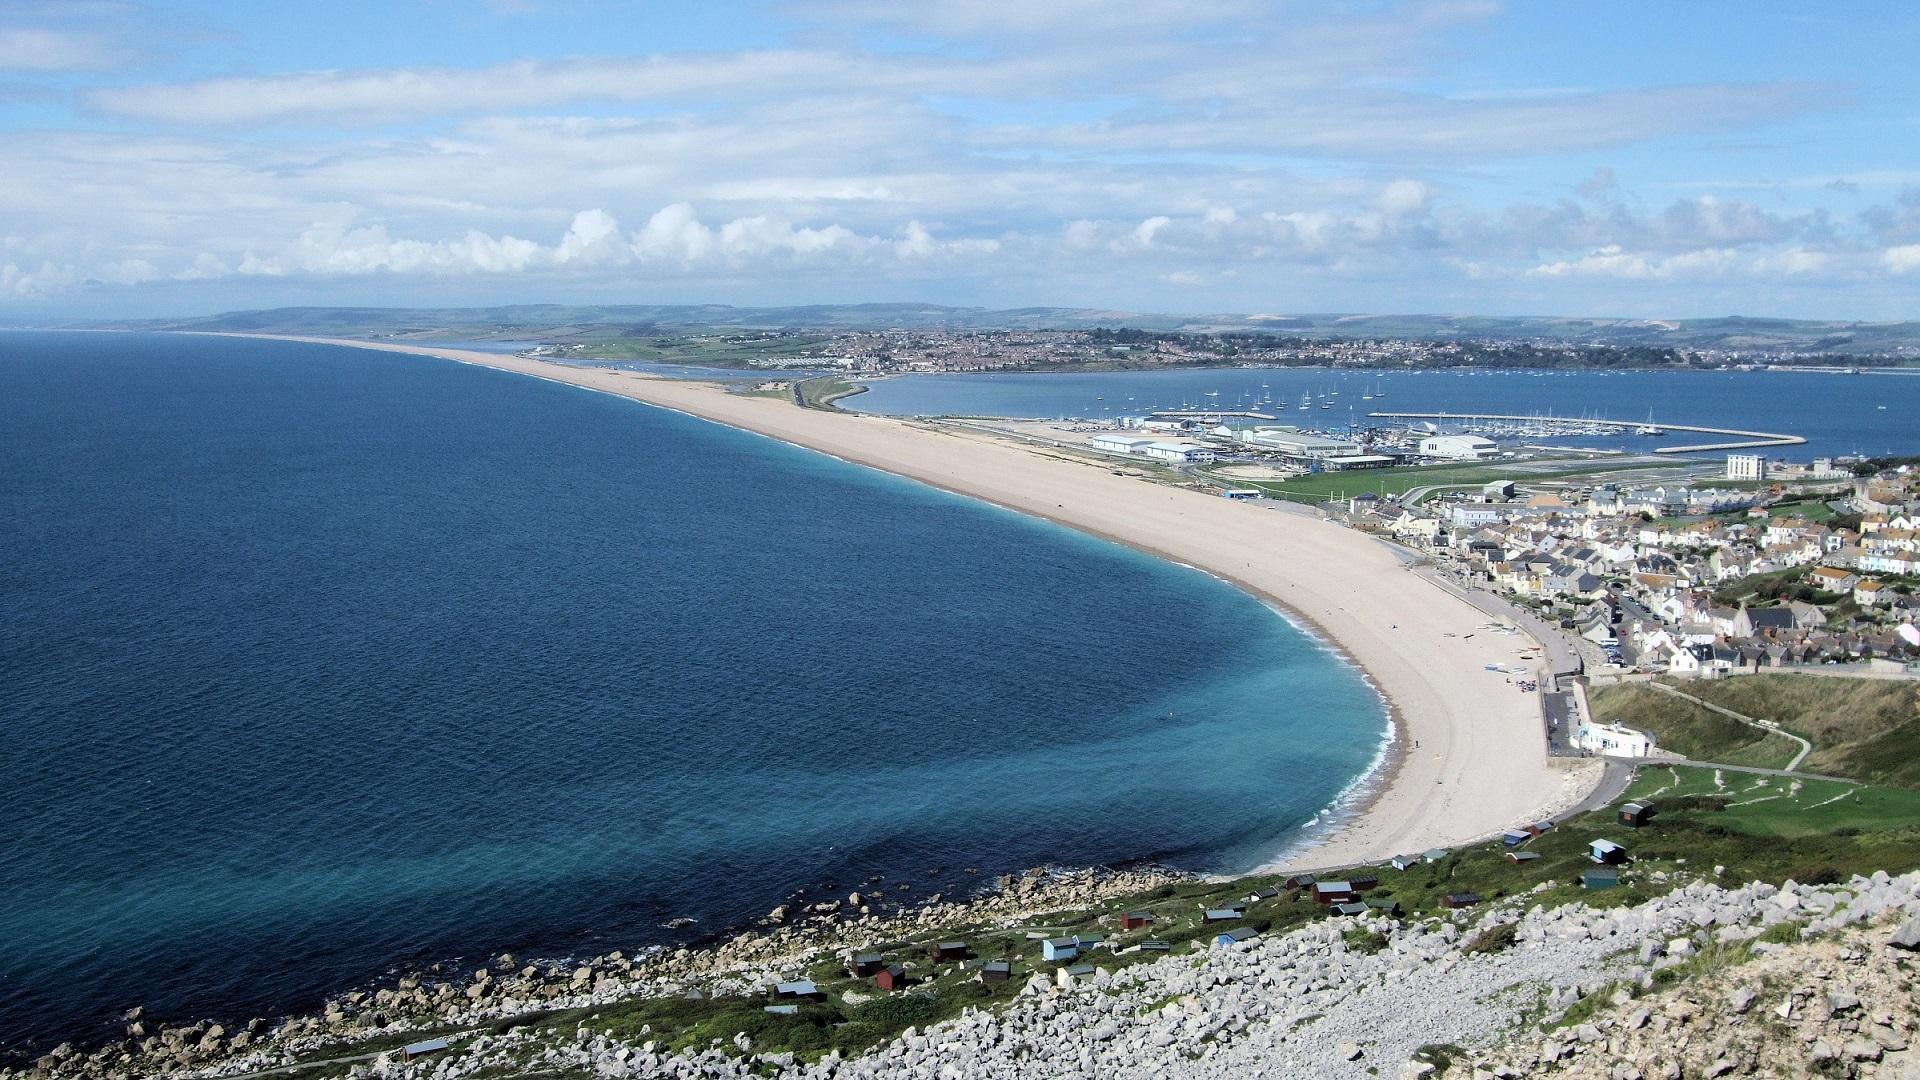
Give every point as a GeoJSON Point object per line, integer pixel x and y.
{"type": "Point", "coordinates": [1870, 414]}
{"type": "Point", "coordinates": [319, 664]}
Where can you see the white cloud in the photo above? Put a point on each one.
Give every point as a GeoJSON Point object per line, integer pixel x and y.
{"type": "Point", "coordinates": [33, 49]}
{"type": "Point", "coordinates": [1904, 259]}
{"type": "Point", "coordinates": [1403, 197]}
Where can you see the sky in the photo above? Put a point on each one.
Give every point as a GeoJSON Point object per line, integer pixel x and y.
{"type": "Point", "coordinates": [1642, 160]}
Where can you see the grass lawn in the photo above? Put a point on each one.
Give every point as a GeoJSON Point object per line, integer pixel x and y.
{"type": "Point", "coordinates": [1776, 806]}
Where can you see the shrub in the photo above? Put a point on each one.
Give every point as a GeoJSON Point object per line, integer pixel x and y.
{"type": "Point", "coordinates": [900, 1010]}
{"type": "Point", "coordinates": [1492, 940]}
{"type": "Point", "coordinates": [1817, 875]}
{"type": "Point", "coordinates": [858, 1035]}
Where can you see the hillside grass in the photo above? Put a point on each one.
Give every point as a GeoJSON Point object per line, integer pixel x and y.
{"type": "Point", "coordinates": [1685, 728]}
{"type": "Point", "coordinates": [1864, 729]}
{"type": "Point", "coordinates": [1777, 806]}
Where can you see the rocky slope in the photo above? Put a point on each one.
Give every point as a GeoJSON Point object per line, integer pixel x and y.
{"type": "Point", "coordinates": [1706, 981]}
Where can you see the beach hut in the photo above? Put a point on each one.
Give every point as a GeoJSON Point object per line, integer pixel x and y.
{"type": "Point", "coordinates": [1405, 862]}
{"type": "Point", "coordinates": [1351, 908]}
{"type": "Point", "coordinates": [1607, 853]}
{"type": "Point", "coordinates": [783, 1010]}
{"type": "Point", "coordinates": [1386, 905]}
{"type": "Point", "coordinates": [1071, 974]}
{"type": "Point", "coordinates": [1235, 936]}
{"type": "Point", "coordinates": [1434, 855]}
{"type": "Point", "coordinates": [1456, 901]}
{"type": "Point", "coordinates": [1298, 882]}
{"type": "Point", "coordinates": [1271, 892]}
{"type": "Point", "coordinates": [796, 988]}
{"type": "Point", "coordinates": [1225, 914]}
{"type": "Point", "coordinates": [1156, 946]}
{"type": "Point", "coordinates": [1515, 837]}
{"type": "Point", "coordinates": [950, 950]}
{"type": "Point", "coordinates": [422, 1049]}
{"type": "Point", "coordinates": [1059, 948]}
{"type": "Point", "coordinates": [996, 971]}
{"type": "Point", "coordinates": [1636, 815]}
{"type": "Point", "coordinates": [1088, 941]}
{"type": "Point", "coordinates": [891, 977]}
{"type": "Point", "coordinates": [1600, 878]}
{"type": "Point", "coordinates": [1134, 920]}
{"type": "Point", "coordinates": [865, 965]}
{"type": "Point", "coordinates": [1363, 882]}
{"type": "Point", "coordinates": [1333, 892]}
{"type": "Point", "coordinates": [1522, 856]}
{"type": "Point", "coordinates": [1539, 827]}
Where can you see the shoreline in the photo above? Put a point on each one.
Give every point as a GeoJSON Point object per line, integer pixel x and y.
{"type": "Point", "coordinates": [1483, 764]}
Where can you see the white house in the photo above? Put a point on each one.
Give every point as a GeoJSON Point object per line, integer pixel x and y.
{"type": "Point", "coordinates": [1612, 740]}
{"type": "Point", "coordinates": [1459, 447]}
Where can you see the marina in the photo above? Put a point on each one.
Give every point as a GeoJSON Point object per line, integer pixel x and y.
{"type": "Point", "coordinates": [1744, 440]}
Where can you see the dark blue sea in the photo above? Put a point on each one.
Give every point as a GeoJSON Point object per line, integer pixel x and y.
{"type": "Point", "coordinates": [1837, 414]}
{"type": "Point", "coordinates": [320, 662]}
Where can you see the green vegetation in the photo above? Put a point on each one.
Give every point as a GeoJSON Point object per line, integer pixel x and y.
{"type": "Point", "coordinates": [1780, 585]}
{"type": "Point", "coordinates": [702, 350]}
{"type": "Point", "coordinates": [1319, 487]}
{"type": "Point", "coordinates": [1364, 941]}
{"type": "Point", "coordinates": [1686, 729]}
{"type": "Point", "coordinates": [1777, 806]}
{"type": "Point", "coordinates": [822, 392]}
{"type": "Point", "coordinates": [1492, 940]}
{"type": "Point", "coordinates": [1865, 729]}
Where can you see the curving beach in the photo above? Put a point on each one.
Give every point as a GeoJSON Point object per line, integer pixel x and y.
{"type": "Point", "coordinates": [1469, 757]}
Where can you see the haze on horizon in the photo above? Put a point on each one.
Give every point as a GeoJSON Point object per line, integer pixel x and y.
{"type": "Point", "coordinates": [1646, 160]}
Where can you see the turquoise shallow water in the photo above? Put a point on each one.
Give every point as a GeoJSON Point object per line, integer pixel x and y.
{"type": "Point", "coordinates": [319, 662]}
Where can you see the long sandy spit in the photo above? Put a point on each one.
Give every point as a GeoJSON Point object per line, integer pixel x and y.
{"type": "Point", "coordinates": [1469, 752]}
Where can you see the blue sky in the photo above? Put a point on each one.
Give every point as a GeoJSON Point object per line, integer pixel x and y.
{"type": "Point", "coordinates": [1642, 160]}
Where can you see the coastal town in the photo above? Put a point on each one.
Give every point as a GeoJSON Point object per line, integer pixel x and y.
{"type": "Point", "coordinates": [1815, 568]}
{"type": "Point", "coordinates": [1278, 343]}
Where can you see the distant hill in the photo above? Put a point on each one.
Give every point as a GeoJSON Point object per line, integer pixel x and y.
{"type": "Point", "coordinates": [553, 322]}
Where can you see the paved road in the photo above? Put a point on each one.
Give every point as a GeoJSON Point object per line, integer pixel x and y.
{"type": "Point", "coordinates": [1805, 746]}
{"type": "Point", "coordinates": [1613, 784]}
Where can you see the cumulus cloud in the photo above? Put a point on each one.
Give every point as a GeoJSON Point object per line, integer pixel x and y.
{"type": "Point", "coordinates": [1904, 259]}
{"type": "Point", "coordinates": [674, 236]}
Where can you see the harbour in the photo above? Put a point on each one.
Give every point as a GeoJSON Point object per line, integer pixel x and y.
{"type": "Point", "coordinates": [1746, 440]}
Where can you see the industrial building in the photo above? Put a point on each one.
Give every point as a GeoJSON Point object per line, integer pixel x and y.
{"type": "Point", "coordinates": [1459, 447]}
{"type": "Point", "coordinates": [1159, 450]}
{"type": "Point", "coordinates": [1296, 443]}
{"type": "Point", "coordinates": [1176, 452]}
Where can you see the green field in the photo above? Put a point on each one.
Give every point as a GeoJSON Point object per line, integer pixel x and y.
{"type": "Point", "coordinates": [1687, 729]}
{"type": "Point", "coordinates": [1777, 806]}
{"type": "Point", "coordinates": [1320, 487]}
{"type": "Point", "coordinates": [725, 351]}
